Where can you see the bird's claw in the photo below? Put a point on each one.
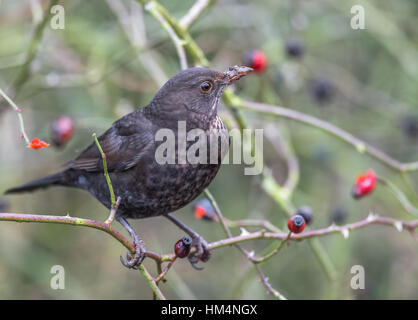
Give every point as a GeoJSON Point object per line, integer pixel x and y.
{"type": "Point", "coordinates": [139, 256]}
{"type": "Point", "coordinates": [202, 252]}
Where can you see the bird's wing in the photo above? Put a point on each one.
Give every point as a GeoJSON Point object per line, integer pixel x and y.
{"type": "Point", "coordinates": [124, 144]}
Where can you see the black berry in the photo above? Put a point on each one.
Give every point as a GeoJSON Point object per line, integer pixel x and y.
{"type": "Point", "coordinates": [339, 215]}
{"type": "Point", "coordinates": [322, 90]}
{"type": "Point", "coordinates": [306, 213]}
{"type": "Point", "coordinates": [410, 125]}
{"type": "Point", "coordinates": [294, 48]}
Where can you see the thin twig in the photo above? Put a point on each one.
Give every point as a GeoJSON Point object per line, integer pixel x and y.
{"type": "Point", "coordinates": [273, 252]}
{"type": "Point", "coordinates": [267, 284]}
{"type": "Point", "coordinates": [244, 251]}
{"type": "Point", "coordinates": [134, 28]}
{"type": "Point", "coordinates": [189, 44]}
{"type": "Point", "coordinates": [151, 7]}
{"type": "Point", "coordinates": [194, 12]}
{"type": "Point", "coordinates": [151, 282]}
{"type": "Point", "coordinates": [19, 115]}
{"type": "Point", "coordinates": [24, 72]}
{"type": "Point", "coordinates": [106, 173]}
{"type": "Point", "coordinates": [284, 148]}
{"type": "Point", "coordinates": [402, 198]}
{"type": "Point", "coordinates": [252, 223]}
{"type": "Point", "coordinates": [113, 210]}
{"type": "Point", "coordinates": [164, 272]}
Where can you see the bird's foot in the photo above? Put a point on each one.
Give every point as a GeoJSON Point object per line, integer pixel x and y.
{"type": "Point", "coordinates": [202, 251]}
{"type": "Point", "coordinates": [139, 256]}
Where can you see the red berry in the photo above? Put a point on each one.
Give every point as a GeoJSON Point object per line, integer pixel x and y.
{"type": "Point", "coordinates": [62, 130]}
{"type": "Point", "coordinates": [36, 143]}
{"type": "Point", "coordinates": [182, 247]}
{"type": "Point", "coordinates": [203, 209]}
{"type": "Point", "coordinates": [364, 185]}
{"type": "Point", "coordinates": [255, 59]}
{"type": "Point", "coordinates": [296, 224]}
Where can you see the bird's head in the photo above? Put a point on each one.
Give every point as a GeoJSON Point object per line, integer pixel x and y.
{"type": "Point", "coordinates": [194, 92]}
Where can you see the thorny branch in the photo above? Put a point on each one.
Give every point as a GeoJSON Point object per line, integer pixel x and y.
{"type": "Point", "coordinates": [344, 230]}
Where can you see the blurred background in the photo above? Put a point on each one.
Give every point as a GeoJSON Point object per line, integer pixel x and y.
{"type": "Point", "coordinates": [96, 70]}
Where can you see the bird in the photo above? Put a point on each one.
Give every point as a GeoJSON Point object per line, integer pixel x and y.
{"type": "Point", "coordinates": [146, 187]}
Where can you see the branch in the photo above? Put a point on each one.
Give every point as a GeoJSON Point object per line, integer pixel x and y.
{"type": "Point", "coordinates": [248, 255]}
{"type": "Point", "coordinates": [360, 145]}
{"type": "Point", "coordinates": [134, 29]}
{"type": "Point", "coordinates": [273, 252]}
{"type": "Point", "coordinates": [74, 221]}
{"type": "Point", "coordinates": [151, 282]}
{"type": "Point", "coordinates": [372, 219]}
{"type": "Point", "coordinates": [178, 43]}
{"type": "Point", "coordinates": [19, 115]}
{"type": "Point", "coordinates": [344, 230]}
{"type": "Point", "coordinates": [285, 149]}
{"type": "Point", "coordinates": [402, 198]}
{"type": "Point", "coordinates": [194, 12]}
{"type": "Point", "coordinates": [106, 172]}
{"type": "Point", "coordinates": [189, 44]}
{"type": "Point", "coordinates": [267, 284]}
{"type": "Point", "coordinates": [24, 73]}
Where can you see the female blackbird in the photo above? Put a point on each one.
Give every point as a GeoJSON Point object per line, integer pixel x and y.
{"type": "Point", "coordinates": [146, 187]}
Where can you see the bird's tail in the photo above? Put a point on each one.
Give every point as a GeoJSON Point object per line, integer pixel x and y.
{"type": "Point", "coordinates": [54, 179]}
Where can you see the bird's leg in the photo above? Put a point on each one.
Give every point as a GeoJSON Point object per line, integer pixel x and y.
{"type": "Point", "coordinates": [203, 252]}
{"type": "Point", "coordinates": [139, 255]}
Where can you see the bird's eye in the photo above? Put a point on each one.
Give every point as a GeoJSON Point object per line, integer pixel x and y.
{"type": "Point", "coordinates": [206, 87]}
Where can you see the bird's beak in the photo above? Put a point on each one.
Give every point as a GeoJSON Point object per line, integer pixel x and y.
{"type": "Point", "coordinates": [235, 73]}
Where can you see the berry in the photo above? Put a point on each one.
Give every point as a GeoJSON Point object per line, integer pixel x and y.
{"type": "Point", "coordinates": [62, 130]}
{"type": "Point", "coordinates": [294, 48]}
{"type": "Point", "coordinates": [338, 215]}
{"type": "Point", "coordinates": [203, 210]}
{"type": "Point", "coordinates": [322, 90]}
{"type": "Point", "coordinates": [365, 184]}
{"type": "Point", "coordinates": [306, 213]}
{"type": "Point", "coordinates": [410, 125]}
{"type": "Point", "coordinates": [296, 224]}
{"type": "Point", "coordinates": [36, 144]}
{"type": "Point", "coordinates": [255, 59]}
{"type": "Point", "coordinates": [182, 247]}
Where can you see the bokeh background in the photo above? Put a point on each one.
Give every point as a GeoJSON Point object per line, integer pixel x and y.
{"type": "Point", "coordinates": [91, 72]}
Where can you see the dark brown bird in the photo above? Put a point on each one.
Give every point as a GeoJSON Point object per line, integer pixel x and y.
{"type": "Point", "coordinates": [146, 187]}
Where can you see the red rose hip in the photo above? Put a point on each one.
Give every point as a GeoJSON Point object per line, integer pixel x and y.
{"type": "Point", "coordinates": [203, 209]}
{"type": "Point", "coordinates": [62, 130]}
{"type": "Point", "coordinates": [255, 59]}
{"type": "Point", "coordinates": [182, 247]}
{"type": "Point", "coordinates": [365, 184]}
{"type": "Point", "coordinates": [296, 224]}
